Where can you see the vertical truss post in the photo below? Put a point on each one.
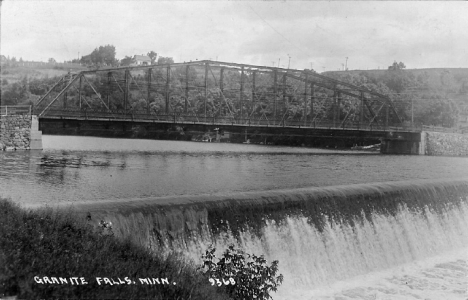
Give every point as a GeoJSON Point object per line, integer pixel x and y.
{"type": "Point", "coordinates": [221, 88]}
{"type": "Point", "coordinates": [168, 78]}
{"type": "Point", "coordinates": [386, 115]}
{"type": "Point", "coordinates": [275, 91]}
{"type": "Point", "coordinates": [361, 119]}
{"type": "Point", "coordinates": [79, 89]}
{"type": "Point", "coordinates": [335, 95]}
{"type": "Point", "coordinates": [187, 67]}
{"type": "Point", "coordinates": [338, 110]}
{"type": "Point", "coordinates": [254, 73]}
{"type": "Point", "coordinates": [412, 112]}
{"type": "Point", "coordinates": [221, 80]}
{"type": "Point", "coordinates": [65, 100]}
{"type": "Point", "coordinates": [65, 96]}
{"type": "Point", "coordinates": [127, 89]}
{"type": "Point", "coordinates": [241, 96]}
{"type": "Point", "coordinates": [312, 100]}
{"type": "Point", "coordinates": [109, 88]}
{"type": "Point", "coordinates": [284, 99]}
{"type": "Point", "coordinates": [148, 99]}
{"type": "Point", "coordinates": [305, 100]}
{"type": "Point", "coordinates": [206, 88]}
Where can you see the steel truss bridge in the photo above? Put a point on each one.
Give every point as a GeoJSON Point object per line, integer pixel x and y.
{"type": "Point", "coordinates": [214, 92]}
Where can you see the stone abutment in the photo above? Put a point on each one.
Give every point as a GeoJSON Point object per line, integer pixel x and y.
{"type": "Point", "coordinates": [20, 132]}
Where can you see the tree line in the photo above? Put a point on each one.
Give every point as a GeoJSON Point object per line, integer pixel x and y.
{"type": "Point", "coordinates": [105, 56]}
{"type": "Point", "coordinates": [419, 98]}
{"type": "Point", "coordinates": [102, 56]}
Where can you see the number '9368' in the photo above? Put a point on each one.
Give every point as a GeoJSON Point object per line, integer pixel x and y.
{"type": "Point", "coordinates": [220, 282]}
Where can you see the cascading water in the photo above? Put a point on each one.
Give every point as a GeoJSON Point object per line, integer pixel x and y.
{"type": "Point", "coordinates": [320, 235]}
{"type": "Point", "coordinates": [311, 259]}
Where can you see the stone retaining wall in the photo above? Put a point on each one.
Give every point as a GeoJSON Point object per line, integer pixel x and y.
{"type": "Point", "coordinates": [441, 143]}
{"type": "Point", "coordinates": [15, 132]}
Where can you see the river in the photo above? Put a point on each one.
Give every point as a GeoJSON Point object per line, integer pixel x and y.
{"type": "Point", "coordinates": [87, 169]}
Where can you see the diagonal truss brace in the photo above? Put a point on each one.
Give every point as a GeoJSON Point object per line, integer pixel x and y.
{"type": "Point", "coordinates": [47, 94]}
{"type": "Point", "coordinates": [364, 99]}
{"type": "Point", "coordinates": [59, 95]}
{"type": "Point", "coordinates": [94, 90]}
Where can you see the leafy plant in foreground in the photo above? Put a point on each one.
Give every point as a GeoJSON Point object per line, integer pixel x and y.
{"type": "Point", "coordinates": [253, 278]}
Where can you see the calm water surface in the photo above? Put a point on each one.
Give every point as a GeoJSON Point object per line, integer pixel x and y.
{"type": "Point", "coordinates": [88, 169]}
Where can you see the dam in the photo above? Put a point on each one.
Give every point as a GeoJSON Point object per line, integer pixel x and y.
{"type": "Point", "coordinates": [320, 235]}
{"type": "Point", "coordinates": [328, 217]}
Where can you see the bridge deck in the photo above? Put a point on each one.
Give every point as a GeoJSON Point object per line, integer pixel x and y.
{"type": "Point", "coordinates": [236, 123]}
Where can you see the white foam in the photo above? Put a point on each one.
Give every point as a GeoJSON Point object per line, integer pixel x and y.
{"type": "Point", "coordinates": [354, 262]}
{"type": "Point", "coordinates": [440, 277]}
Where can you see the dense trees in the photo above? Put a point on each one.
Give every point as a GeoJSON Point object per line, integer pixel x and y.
{"type": "Point", "coordinates": [126, 61]}
{"type": "Point", "coordinates": [153, 56]}
{"type": "Point", "coordinates": [105, 56]}
{"type": "Point", "coordinates": [165, 60]}
{"type": "Point", "coordinates": [420, 97]}
{"type": "Point", "coordinates": [16, 93]}
{"type": "Point", "coordinates": [102, 56]}
{"type": "Point", "coordinates": [397, 66]}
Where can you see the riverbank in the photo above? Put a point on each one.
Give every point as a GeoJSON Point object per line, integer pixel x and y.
{"type": "Point", "coordinates": [50, 254]}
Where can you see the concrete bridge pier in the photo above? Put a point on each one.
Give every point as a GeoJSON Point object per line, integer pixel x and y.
{"type": "Point", "coordinates": [404, 143]}
{"type": "Point", "coordinates": [35, 141]}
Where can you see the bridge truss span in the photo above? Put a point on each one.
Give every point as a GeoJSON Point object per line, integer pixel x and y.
{"type": "Point", "coordinates": [218, 92]}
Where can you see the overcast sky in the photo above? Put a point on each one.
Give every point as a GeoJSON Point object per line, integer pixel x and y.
{"type": "Point", "coordinates": [371, 34]}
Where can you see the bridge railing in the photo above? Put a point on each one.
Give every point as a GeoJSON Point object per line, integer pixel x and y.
{"type": "Point", "coordinates": [8, 110]}
{"type": "Point", "coordinates": [181, 118]}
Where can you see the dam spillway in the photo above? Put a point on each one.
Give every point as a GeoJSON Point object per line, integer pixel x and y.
{"type": "Point", "coordinates": [320, 235]}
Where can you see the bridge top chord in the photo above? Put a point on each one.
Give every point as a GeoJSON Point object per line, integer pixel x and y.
{"type": "Point", "coordinates": [234, 93]}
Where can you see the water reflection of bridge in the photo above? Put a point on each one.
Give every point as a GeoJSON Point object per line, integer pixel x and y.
{"type": "Point", "coordinates": [212, 93]}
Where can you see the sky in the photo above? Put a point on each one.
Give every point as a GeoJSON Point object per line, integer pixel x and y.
{"type": "Point", "coordinates": [324, 35]}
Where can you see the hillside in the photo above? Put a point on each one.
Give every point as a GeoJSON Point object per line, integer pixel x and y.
{"type": "Point", "coordinates": [434, 96]}
{"type": "Point", "coordinates": [24, 83]}
{"type": "Point", "coordinates": [452, 80]}
{"type": "Point", "coordinates": [15, 74]}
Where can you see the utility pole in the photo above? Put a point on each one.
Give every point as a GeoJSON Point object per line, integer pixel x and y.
{"type": "Point", "coordinates": [289, 63]}
{"type": "Point", "coordinates": [279, 59]}
{"type": "Point", "coordinates": [206, 88]}
{"type": "Point", "coordinates": [346, 67]}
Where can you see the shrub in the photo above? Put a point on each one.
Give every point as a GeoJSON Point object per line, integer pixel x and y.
{"type": "Point", "coordinates": [244, 276]}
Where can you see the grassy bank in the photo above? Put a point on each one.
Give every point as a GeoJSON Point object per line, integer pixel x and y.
{"type": "Point", "coordinates": [47, 254]}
